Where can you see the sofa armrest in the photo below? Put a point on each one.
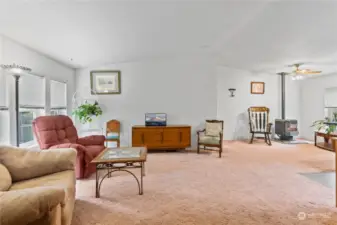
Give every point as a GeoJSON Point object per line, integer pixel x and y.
{"type": "Point", "coordinates": [91, 140]}
{"type": "Point", "coordinates": [21, 207]}
{"type": "Point", "coordinates": [26, 164]}
{"type": "Point", "coordinates": [84, 156]}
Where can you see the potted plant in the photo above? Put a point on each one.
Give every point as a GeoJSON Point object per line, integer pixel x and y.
{"type": "Point", "coordinates": [327, 125]}
{"type": "Point", "coordinates": [87, 111]}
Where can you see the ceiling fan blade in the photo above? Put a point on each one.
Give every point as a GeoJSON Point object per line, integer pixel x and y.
{"type": "Point", "coordinates": [308, 72]}
{"type": "Point", "coordinates": [314, 72]}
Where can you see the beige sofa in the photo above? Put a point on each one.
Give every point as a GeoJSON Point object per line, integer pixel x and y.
{"type": "Point", "coordinates": [36, 187]}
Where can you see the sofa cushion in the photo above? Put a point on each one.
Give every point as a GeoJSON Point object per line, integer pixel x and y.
{"type": "Point", "coordinates": [5, 178]}
{"type": "Point", "coordinates": [65, 180]}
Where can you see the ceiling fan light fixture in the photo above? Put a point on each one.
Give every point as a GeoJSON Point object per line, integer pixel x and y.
{"type": "Point", "coordinates": [297, 77]}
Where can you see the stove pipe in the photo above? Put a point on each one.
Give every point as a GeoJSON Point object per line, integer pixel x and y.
{"type": "Point", "coordinates": [283, 91]}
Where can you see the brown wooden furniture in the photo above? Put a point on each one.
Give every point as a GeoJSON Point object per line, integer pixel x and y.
{"type": "Point", "coordinates": [328, 144]}
{"type": "Point", "coordinates": [113, 132]}
{"type": "Point", "coordinates": [211, 136]}
{"type": "Point", "coordinates": [259, 122]}
{"type": "Point", "coordinates": [162, 137]}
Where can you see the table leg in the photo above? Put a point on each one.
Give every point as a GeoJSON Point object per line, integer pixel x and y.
{"type": "Point", "coordinates": [141, 177]}
{"type": "Point", "coordinates": [97, 178]}
{"type": "Point", "coordinates": [143, 169]}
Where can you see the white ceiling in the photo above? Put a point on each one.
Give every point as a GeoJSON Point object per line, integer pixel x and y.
{"type": "Point", "coordinates": [256, 35]}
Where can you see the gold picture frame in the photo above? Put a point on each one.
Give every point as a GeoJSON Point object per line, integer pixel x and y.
{"type": "Point", "coordinates": [105, 82]}
{"type": "Point", "coordinates": [257, 88]}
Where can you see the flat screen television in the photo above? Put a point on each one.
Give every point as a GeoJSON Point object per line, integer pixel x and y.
{"type": "Point", "coordinates": [155, 119]}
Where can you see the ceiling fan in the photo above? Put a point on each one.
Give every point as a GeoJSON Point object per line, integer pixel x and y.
{"type": "Point", "coordinates": [298, 73]}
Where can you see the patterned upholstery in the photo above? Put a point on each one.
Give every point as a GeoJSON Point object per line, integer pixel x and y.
{"type": "Point", "coordinates": [213, 129]}
{"type": "Point", "coordinates": [211, 136]}
{"type": "Point", "coordinates": [60, 132]}
{"type": "Point", "coordinates": [209, 140]}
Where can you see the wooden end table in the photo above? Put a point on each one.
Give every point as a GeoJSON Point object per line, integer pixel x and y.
{"type": "Point", "coordinates": [120, 159]}
{"type": "Point", "coordinates": [327, 144]}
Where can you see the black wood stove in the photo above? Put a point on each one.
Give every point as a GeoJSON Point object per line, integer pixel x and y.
{"type": "Point", "coordinates": [286, 129]}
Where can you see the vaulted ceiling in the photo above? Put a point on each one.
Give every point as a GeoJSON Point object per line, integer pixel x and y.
{"type": "Point", "coordinates": [256, 35]}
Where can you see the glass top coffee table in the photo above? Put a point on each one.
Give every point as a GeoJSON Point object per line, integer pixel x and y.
{"type": "Point", "coordinates": [120, 159]}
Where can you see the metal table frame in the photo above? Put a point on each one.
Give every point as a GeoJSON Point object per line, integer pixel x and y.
{"type": "Point", "coordinates": [120, 166]}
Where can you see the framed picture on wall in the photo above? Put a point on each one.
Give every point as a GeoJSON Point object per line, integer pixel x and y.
{"type": "Point", "coordinates": [105, 82]}
{"type": "Point", "coordinates": [257, 87]}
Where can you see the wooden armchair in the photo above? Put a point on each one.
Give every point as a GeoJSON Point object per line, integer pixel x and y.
{"type": "Point", "coordinates": [259, 123]}
{"type": "Point", "coordinates": [211, 136]}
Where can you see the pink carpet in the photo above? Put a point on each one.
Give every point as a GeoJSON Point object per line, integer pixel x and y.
{"type": "Point", "coordinates": [251, 184]}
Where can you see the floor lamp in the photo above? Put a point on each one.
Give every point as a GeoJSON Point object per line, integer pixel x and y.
{"type": "Point", "coordinates": [16, 71]}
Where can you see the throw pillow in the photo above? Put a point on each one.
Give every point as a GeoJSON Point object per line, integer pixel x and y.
{"type": "Point", "coordinates": [5, 178]}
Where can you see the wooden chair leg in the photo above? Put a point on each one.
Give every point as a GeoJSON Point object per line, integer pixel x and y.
{"type": "Point", "coordinates": [198, 149]}
{"type": "Point", "coordinates": [268, 135]}
{"type": "Point", "coordinates": [251, 140]}
{"type": "Point", "coordinates": [220, 149]}
{"type": "Point", "coordinates": [265, 138]}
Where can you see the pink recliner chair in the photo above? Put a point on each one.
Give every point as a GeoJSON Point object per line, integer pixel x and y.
{"type": "Point", "coordinates": [60, 132]}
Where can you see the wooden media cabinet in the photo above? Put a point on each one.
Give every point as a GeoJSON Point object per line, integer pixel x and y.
{"type": "Point", "coordinates": [162, 137]}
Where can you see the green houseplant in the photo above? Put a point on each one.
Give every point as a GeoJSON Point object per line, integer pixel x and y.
{"type": "Point", "coordinates": [327, 125]}
{"type": "Point", "coordinates": [87, 111]}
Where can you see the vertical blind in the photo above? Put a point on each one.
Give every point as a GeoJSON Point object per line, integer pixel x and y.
{"type": "Point", "coordinates": [32, 91]}
{"type": "Point", "coordinates": [58, 95]}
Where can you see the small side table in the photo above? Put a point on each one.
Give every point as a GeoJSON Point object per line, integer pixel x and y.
{"type": "Point", "coordinates": [328, 144]}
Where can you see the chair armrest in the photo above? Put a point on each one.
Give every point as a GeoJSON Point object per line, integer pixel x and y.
{"type": "Point", "coordinates": [21, 207]}
{"type": "Point", "coordinates": [82, 152]}
{"type": "Point", "coordinates": [200, 131]}
{"type": "Point", "coordinates": [27, 164]}
{"type": "Point", "coordinates": [92, 140]}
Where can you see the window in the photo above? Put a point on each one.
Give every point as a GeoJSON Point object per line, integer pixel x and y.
{"type": "Point", "coordinates": [32, 104]}
{"type": "Point", "coordinates": [26, 117]}
{"type": "Point", "coordinates": [55, 112]}
{"type": "Point", "coordinates": [58, 98]}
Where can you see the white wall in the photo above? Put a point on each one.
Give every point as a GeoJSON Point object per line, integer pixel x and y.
{"type": "Point", "coordinates": [330, 97]}
{"type": "Point", "coordinates": [12, 52]}
{"type": "Point", "coordinates": [184, 88]}
{"type": "Point", "coordinates": [233, 110]}
{"type": "Point", "coordinates": [312, 104]}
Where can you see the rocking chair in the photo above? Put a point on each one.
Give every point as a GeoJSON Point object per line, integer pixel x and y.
{"type": "Point", "coordinates": [259, 123]}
